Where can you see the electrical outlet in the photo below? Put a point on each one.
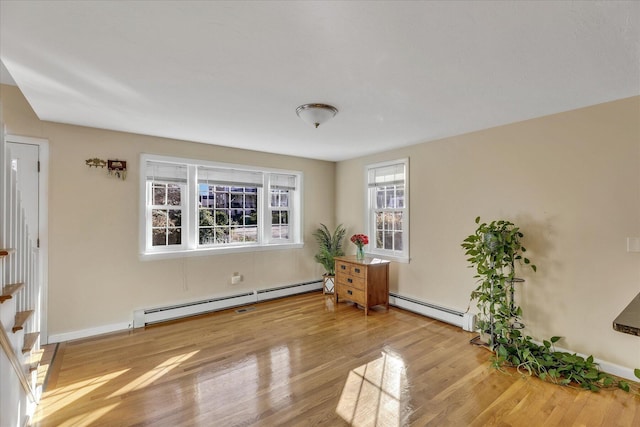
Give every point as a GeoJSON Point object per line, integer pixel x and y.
{"type": "Point", "coordinates": [236, 278]}
{"type": "Point", "coordinates": [633, 244]}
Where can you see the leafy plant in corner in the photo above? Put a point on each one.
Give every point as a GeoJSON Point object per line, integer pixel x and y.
{"type": "Point", "coordinates": [329, 247]}
{"type": "Point", "coordinates": [493, 251]}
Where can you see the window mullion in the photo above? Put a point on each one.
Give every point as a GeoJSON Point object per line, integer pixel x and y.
{"type": "Point", "coordinates": [191, 208]}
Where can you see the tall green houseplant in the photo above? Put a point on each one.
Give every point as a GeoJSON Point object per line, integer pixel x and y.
{"type": "Point", "coordinates": [493, 250]}
{"type": "Point", "coordinates": [329, 247]}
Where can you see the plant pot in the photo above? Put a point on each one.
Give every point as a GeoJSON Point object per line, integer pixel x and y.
{"type": "Point", "coordinates": [328, 284]}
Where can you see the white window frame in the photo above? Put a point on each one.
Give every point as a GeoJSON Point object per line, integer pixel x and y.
{"type": "Point", "coordinates": [370, 208]}
{"type": "Point", "coordinates": [190, 240]}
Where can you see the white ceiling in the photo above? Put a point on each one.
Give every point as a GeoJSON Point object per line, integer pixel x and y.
{"type": "Point", "coordinates": [233, 73]}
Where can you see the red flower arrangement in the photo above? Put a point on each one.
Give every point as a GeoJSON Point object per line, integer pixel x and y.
{"type": "Point", "coordinates": [360, 240]}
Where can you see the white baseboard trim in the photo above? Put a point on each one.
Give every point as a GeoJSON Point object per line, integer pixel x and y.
{"type": "Point", "coordinates": [90, 332]}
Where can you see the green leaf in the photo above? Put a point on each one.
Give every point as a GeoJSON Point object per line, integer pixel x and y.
{"type": "Point", "coordinates": [555, 339]}
{"type": "Point", "coordinates": [477, 219]}
{"type": "Point", "coordinates": [546, 343]}
{"type": "Point", "coordinates": [636, 372]}
{"type": "Point", "coordinates": [534, 268]}
{"type": "Point", "coordinates": [623, 385]}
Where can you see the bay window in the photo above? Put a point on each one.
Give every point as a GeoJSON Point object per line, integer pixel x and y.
{"type": "Point", "coordinates": [205, 207]}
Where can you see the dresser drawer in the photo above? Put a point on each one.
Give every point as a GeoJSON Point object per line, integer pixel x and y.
{"type": "Point", "coordinates": [357, 271]}
{"type": "Point", "coordinates": [351, 281]}
{"type": "Point", "coordinates": [351, 294]}
{"type": "Point", "coordinates": [342, 268]}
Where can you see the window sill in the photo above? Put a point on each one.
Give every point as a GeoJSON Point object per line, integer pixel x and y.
{"type": "Point", "coordinates": [400, 259]}
{"type": "Point", "coordinates": [187, 253]}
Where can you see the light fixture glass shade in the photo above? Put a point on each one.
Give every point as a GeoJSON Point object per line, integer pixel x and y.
{"type": "Point", "coordinates": [316, 114]}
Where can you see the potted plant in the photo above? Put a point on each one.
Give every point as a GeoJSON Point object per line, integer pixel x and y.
{"type": "Point", "coordinates": [329, 247]}
{"type": "Point", "coordinates": [493, 250]}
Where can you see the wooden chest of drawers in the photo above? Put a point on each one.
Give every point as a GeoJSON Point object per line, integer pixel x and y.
{"type": "Point", "coordinates": [364, 282]}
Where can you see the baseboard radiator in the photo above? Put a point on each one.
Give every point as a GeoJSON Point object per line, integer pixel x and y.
{"type": "Point", "coordinates": [151, 316]}
{"type": "Point", "coordinates": [464, 320]}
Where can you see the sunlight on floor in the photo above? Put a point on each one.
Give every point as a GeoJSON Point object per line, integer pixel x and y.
{"type": "Point", "coordinates": [88, 418]}
{"type": "Point", "coordinates": [152, 375]}
{"type": "Point", "coordinates": [375, 394]}
{"type": "Point", "coordinates": [64, 396]}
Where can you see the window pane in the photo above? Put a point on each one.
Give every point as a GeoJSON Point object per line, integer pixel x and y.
{"type": "Point", "coordinates": [159, 237]}
{"type": "Point", "coordinates": [206, 217]}
{"type": "Point", "coordinates": [159, 218]}
{"type": "Point", "coordinates": [284, 199]}
{"type": "Point", "coordinates": [251, 217]}
{"type": "Point", "coordinates": [388, 221]}
{"type": "Point", "coordinates": [222, 200]}
{"type": "Point", "coordinates": [159, 194]}
{"type": "Point", "coordinates": [237, 200]}
{"type": "Point", "coordinates": [237, 216]}
{"type": "Point", "coordinates": [173, 195]}
{"type": "Point", "coordinates": [397, 241]}
{"type": "Point", "coordinates": [379, 239]}
{"type": "Point", "coordinates": [222, 217]}
{"type": "Point", "coordinates": [207, 236]}
{"type": "Point", "coordinates": [390, 201]}
{"type": "Point", "coordinates": [244, 234]}
{"type": "Point", "coordinates": [379, 198]}
{"type": "Point", "coordinates": [388, 240]}
{"type": "Point", "coordinates": [175, 218]}
{"type": "Point", "coordinates": [400, 196]}
{"type": "Point", "coordinates": [398, 221]}
{"type": "Point", "coordinates": [174, 236]}
{"type": "Point", "coordinates": [251, 201]}
{"type": "Point", "coordinates": [379, 220]}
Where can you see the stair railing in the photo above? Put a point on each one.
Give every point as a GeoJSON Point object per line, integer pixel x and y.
{"type": "Point", "coordinates": [20, 266]}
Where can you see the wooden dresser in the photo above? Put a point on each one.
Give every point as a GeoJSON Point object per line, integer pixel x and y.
{"type": "Point", "coordinates": [364, 282]}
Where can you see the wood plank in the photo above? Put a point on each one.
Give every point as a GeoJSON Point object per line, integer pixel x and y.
{"type": "Point", "coordinates": [21, 319]}
{"type": "Point", "coordinates": [304, 361]}
{"type": "Point", "coordinates": [29, 341]}
{"type": "Point", "coordinates": [34, 360]}
{"type": "Point", "coordinates": [9, 291]}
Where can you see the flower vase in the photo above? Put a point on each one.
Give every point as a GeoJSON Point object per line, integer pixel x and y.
{"type": "Point", "coordinates": [360, 253]}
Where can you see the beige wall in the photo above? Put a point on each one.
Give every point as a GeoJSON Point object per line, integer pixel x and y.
{"type": "Point", "coordinates": [95, 276]}
{"type": "Point", "coordinates": [571, 181]}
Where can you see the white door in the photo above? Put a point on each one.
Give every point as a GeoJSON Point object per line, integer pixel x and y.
{"type": "Point", "coordinates": [26, 159]}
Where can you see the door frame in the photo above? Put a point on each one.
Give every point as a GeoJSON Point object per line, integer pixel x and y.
{"type": "Point", "coordinates": [43, 224]}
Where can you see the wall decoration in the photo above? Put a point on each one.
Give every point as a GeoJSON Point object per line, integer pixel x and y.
{"type": "Point", "coordinates": [117, 168]}
{"type": "Point", "coordinates": [95, 162]}
{"type": "Point", "coordinates": [114, 167]}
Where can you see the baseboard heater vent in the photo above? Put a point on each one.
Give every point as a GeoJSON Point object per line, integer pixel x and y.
{"type": "Point", "coordinates": [285, 291]}
{"type": "Point", "coordinates": [151, 316]}
{"type": "Point", "coordinates": [464, 320]}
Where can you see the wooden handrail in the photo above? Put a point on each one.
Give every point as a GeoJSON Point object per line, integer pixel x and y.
{"type": "Point", "coordinates": [6, 347]}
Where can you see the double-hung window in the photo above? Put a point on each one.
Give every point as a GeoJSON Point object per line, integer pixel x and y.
{"type": "Point", "coordinates": [388, 209]}
{"type": "Point", "coordinates": [193, 206]}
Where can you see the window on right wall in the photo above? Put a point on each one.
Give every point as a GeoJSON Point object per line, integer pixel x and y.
{"type": "Point", "coordinates": [388, 209]}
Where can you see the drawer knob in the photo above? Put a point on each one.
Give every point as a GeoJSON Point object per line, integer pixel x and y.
{"type": "Point", "coordinates": [357, 270]}
{"type": "Point", "coordinates": [350, 280]}
{"type": "Point", "coordinates": [350, 292]}
{"type": "Point", "coordinates": [343, 267]}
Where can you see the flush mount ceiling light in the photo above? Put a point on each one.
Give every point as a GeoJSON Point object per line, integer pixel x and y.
{"type": "Point", "coordinates": [316, 114]}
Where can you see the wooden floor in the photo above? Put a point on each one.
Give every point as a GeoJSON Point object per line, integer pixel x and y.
{"type": "Point", "coordinates": [303, 361]}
